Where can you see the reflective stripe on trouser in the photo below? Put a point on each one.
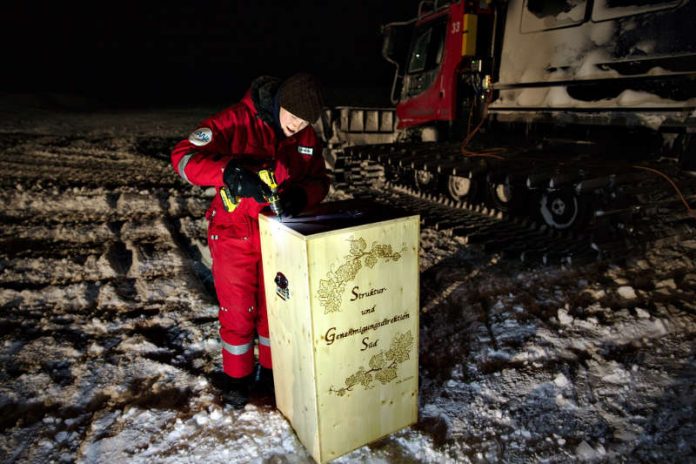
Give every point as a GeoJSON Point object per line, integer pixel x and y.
{"type": "Point", "coordinates": [238, 277]}
{"type": "Point", "coordinates": [237, 350]}
{"type": "Point", "coordinates": [236, 359]}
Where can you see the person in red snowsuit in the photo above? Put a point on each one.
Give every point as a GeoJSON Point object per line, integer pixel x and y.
{"type": "Point", "coordinates": [270, 127]}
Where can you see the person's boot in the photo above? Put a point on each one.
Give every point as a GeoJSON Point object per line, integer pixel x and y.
{"type": "Point", "coordinates": [235, 391]}
{"type": "Point", "coordinates": [264, 381]}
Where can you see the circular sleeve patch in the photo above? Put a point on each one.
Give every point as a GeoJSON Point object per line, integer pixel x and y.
{"type": "Point", "coordinates": [201, 136]}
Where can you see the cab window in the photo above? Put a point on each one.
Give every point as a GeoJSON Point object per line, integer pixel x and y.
{"type": "Point", "coordinates": [420, 52]}
{"type": "Point", "coordinates": [427, 50]}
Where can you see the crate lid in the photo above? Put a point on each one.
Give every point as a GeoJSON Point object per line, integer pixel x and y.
{"type": "Point", "coordinates": [336, 215]}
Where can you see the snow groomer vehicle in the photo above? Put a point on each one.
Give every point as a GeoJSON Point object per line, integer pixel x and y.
{"type": "Point", "coordinates": [578, 116]}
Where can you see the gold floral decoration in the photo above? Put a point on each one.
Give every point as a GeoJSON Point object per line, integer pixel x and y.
{"type": "Point", "coordinates": [383, 365]}
{"type": "Point", "coordinates": [332, 287]}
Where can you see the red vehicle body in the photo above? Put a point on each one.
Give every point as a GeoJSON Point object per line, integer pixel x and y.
{"type": "Point", "coordinates": [430, 88]}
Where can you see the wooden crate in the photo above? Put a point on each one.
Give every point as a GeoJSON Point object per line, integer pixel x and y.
{"type": "Point", "coordinates": [342, 291]}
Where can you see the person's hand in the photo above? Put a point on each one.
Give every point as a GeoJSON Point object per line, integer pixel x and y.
{"type": "Point", "coordinates": [293, 199]}
{"type": "Point", "coordinates": [243, 182]}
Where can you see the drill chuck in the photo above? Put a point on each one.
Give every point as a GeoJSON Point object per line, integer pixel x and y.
{"type": "Point", "coordinates": [274, 201]}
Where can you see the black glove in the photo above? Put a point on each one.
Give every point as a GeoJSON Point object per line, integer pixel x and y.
{"type": "Point", "coordinates": [243, 182]}
{"type": "Point", "coordinates": [293, 199]}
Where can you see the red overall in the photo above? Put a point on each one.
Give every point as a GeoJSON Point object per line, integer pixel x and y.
{"type": "Point", "coordinates": [233, 238]}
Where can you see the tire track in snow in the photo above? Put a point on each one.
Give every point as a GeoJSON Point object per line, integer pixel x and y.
{"type": "Point", "coordinates": [97, 274]}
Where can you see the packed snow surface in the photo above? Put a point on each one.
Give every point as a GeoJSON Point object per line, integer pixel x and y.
{"type": "Point", "coordinates": [108, 329]}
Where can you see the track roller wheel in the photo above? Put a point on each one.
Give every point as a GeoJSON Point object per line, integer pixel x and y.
{"type": "Point", "coordinates": [560, 209]}
{"type": "Point", "coordinates": [501, 196]}
{"type": "Point", "coordinates": [425, 180]}
{"type": "Point", "coordinates": [460, 188]}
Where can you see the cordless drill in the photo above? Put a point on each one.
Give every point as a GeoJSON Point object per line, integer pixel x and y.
{"type": "Point", "coordinates": [266, 175]}
{"type": "Point", "coordinates": [273, 199]}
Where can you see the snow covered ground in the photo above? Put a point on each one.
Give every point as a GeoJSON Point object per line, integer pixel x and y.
{"type": "Point", "coordinates": [108, 329]}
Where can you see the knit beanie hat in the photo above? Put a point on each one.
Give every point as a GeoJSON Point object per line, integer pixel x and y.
{"type": "Point", "coordinates": [301, 95]}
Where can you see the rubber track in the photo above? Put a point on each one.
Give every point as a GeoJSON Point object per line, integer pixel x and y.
{"type": "Point", "coordinates": [657, 219]}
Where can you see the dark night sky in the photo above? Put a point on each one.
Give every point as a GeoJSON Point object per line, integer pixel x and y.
{"type": "Point", "coordinates": [192, 51]}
